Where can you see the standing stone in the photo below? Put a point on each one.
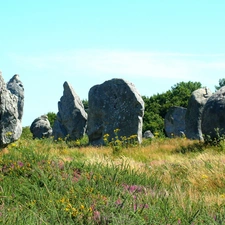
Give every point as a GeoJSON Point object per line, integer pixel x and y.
{"type": "Point", "coordinates": [71, 118]}
{"type": "Point", "coordinates": [16, 87]}
{"type": "Point", "coordinates": [213, 116]}
{"type": "Point", "coordinates": [193, 118]}
{"type": "Point", "coordinates": [41, 128]}
{"type": "Point", "coordinates": [175, 122]}
{"type": "Point", "coordinates": [115, 104]}
{"type": "Point", "coordinates": [10, 124]}
{"type": "Point", "coordinates": [148, 134]}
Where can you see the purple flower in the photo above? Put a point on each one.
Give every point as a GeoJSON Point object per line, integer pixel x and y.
{"type": "Point", "coordinates": [20, 164]}
{"type": "Point", "coordinates": [133, 188]}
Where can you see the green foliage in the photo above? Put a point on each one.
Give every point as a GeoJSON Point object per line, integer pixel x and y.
{"type": "Point", "coordinates": [218, 140]}
{"type": "Point", "coordinates": [85, 103]}
{"type": "Point", "coordinates": [221, 84]}
{"type": "Point", "coordinates": [118, 143]}
{"type": "Point", "coordinates": [51, 117]}
{"type": "Point", "coordinates": [26, 133]}
{"type": "Point", "coordinates": [195, 147]}
{"type": "Point", "coordinates": [84, 141]}
{"type": "Point", "coordinates": [158, 105]}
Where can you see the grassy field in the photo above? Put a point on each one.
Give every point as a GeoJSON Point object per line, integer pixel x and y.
{"type": "Point", "coordinates": [165, 181]}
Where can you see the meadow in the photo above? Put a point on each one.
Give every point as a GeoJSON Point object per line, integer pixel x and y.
{"type": "Point", "coordinates": [162, 181]}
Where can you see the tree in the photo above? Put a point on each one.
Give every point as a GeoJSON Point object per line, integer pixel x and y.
{"type": "Point", "coordinates": [51, 117]}
{"type": "Point", "coordinates": [221, 84]}
{"type": "Point", "coordinates": [85, 103]}
{"type": "Point", "coordinates": [158, 105]}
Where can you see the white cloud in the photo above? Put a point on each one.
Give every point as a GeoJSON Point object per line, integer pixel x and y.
{"type": "Point", "coordinates": [127, 63]}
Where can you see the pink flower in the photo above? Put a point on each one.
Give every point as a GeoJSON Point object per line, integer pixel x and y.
{"type": "Point", "coordinates": [118, 202]}
{"type": "Point", "coordinates": [97, 216]}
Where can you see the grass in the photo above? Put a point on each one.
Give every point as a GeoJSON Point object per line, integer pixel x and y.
{"type": "Point", "coordinates": [165, 181]}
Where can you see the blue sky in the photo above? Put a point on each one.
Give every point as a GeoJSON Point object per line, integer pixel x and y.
{"type": "Point", "coordinates": [153, 44]}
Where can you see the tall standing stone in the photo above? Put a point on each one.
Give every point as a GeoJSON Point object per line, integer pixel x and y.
{"type": "Point", "coordinates": [213, 116]}
{"type": "Point", "coordinates": [71, 118]}
{"type": "Point", "coordinates": [16, 87]}
{"type": "Point", "coordinates": [115, 104]}
{"type": "Point", "coordinates": [174, 122]}
{"type": "Point", "coordinates": [193, 118]}
{"type": "Point", "coordinates": [10, 123]}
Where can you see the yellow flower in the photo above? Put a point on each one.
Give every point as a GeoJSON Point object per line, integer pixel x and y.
{"type": "Point", "coordinates": [116, 130]}
{"type": "Point", "coordinates": [222, 196]}
{"type": "Point", "coordinates": [62, 200]}
{"type": "Point", "coordinates": [204, 176]}
{"type": "Point", "coordinates": [106, 136]}
{"type": "Point", "coordinates": [9, 134]}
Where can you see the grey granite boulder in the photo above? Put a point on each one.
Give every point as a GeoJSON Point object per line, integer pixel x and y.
{"type": "Point", "coordinates": [71, 121]}
{"type": "Point", "coordinates": [10, 123]}
{"type": "Point", "coordinates": [16, 87]}
{"type": "Point", "coordinates": [148, 134]}
{"type": "Point", "coordinates": [213, 116]}
{"type": "Point", "coordinates": [115, 104]}
{"type": "Point", "coordinates": [174, 122]}
{"type": "Point", "coordinates": [193, 118]}
{"type": "Point", "coordinates": [40, 128]}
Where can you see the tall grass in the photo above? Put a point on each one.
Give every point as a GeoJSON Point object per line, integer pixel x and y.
{"type": "Point", "coordinates": [165, 181]}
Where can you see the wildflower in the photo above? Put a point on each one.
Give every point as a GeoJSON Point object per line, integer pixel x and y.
{"type": "Point", "coordinates": [60, 139]}
{"type": "Point", "coordinates": [62, 200]}
{"type": "Point", "coordinates": [106, 136]}
{"type": "Point", "coordinates": [20, 164]}
{"type": "Point", "coordinates": [13, 145]}
{"type": "Point", "coordinates": [118, 202]}
{"type": "Point", "coordinates": [204, 176]}
{"type": "Point", "coordinates": [133, 188]}
{"type": "Point", "coordinates": [135, 207]}
{"type": "Point", "coordinates": [116, 130]}
{"type": "Point", "coordinates": [222, 196]}
{"type": "Point", "coordinates": [97, 216]}
{"type": "Point", "coordinates": [8, 134]}
{"type": "Point", "coordinates": [77, 142]}
{"type": "Point", "coordinates": [74, 212]}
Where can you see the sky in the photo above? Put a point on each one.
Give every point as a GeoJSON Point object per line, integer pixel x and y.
{"type": "Point", "coordinates": [153, 44]}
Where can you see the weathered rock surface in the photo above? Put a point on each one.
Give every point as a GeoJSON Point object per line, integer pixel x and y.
{"type": "Point", "coordinates": [71, 118]}
{"type": "Point", "coordinates": [16, 87]}
{"type": "Point", "coordinates": [193, 118]}
{"type": "Point", "coordinates": [174, 122]}
{"type": "Point", "coordinates": [115, 104]}
{"type": "Point", "coordinates": [10, 124]}
{"type": "Point", "coordinates": [41, 128]}
{"type": "Point", "coordinates": [213, 115]}
{"type": "Point", "coordinates": [148, 134]}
